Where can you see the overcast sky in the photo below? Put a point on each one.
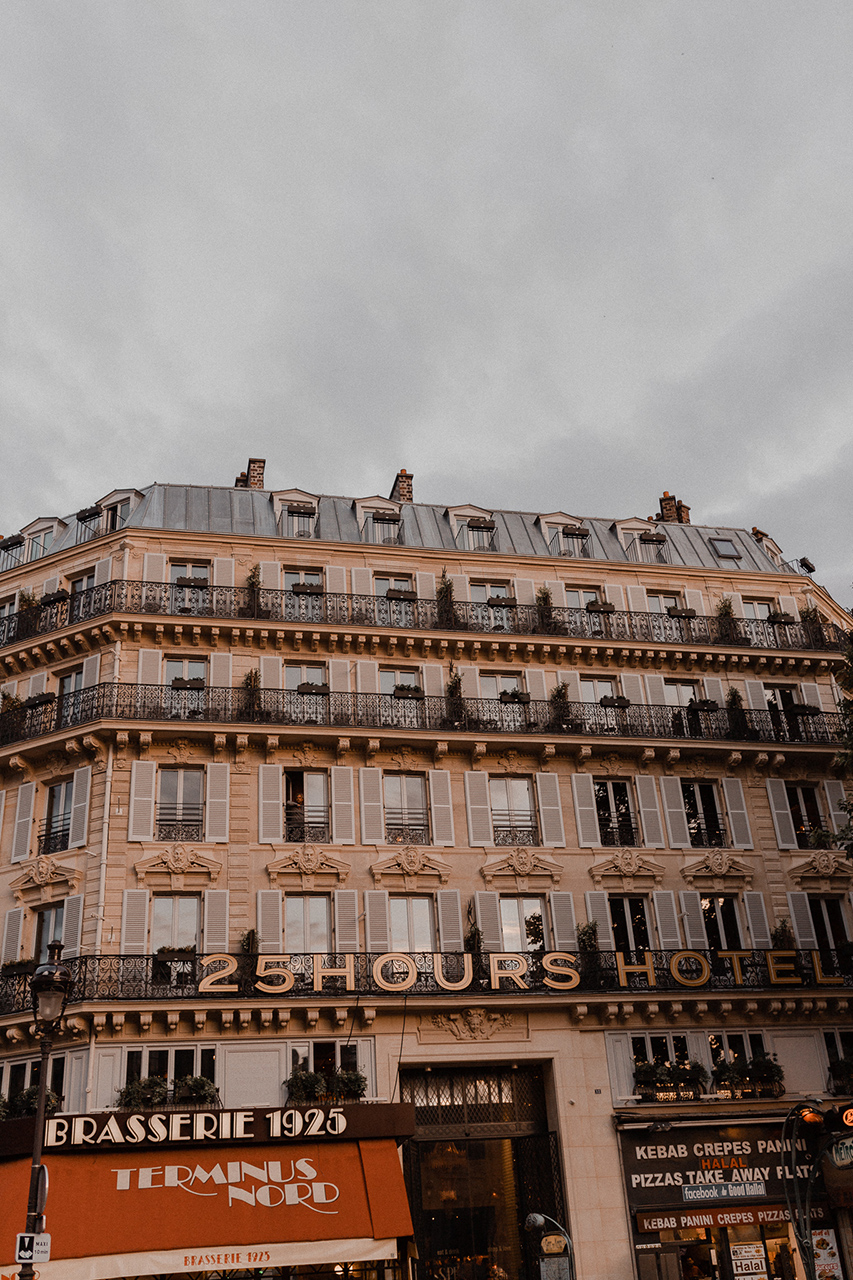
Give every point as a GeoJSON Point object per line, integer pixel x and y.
{"type": "Point", "coordinates": [546, 254]}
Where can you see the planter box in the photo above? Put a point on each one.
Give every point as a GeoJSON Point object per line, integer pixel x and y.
{"type": "Point", "coordinates": [18, 969]}
{"type": "Point", "coordinates": [178, 683]}
{"type": "Point", "coordinates": [600, 606]}
{"type": "Point", "coordinates": [89, 513]}
{"type": "Point", "coordinates": [401, 595]}
{"type": "Point", "coordinates": [502, 602]}
{"type": "Point", "coordinates": [190, 582]}
{"type": "Point", "coordinates": [620, 702]}
{"type": "Point", "coordinates": [803, 709]}
{"type": "Point", "coordinates": [307, 588]}
{"type": "Point", "coordinates": [522, 698]}
{"type": "Point", "coordinates": [706, 704]}
{"type": "Point", "coordinates": [307, 687]}
{"type": "Point", "coordinates": [675, 612]}
{"type": "Point", "coordinates": [38, 700]}
{"type": "Point", "coordinates": [409, 693]}
{"type": "Point", "coordinates": [55, 597]}
{"type": "Point", "coordinates": [782, 619]}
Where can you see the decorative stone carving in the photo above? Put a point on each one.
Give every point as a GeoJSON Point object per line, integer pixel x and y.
{"type": "Point", "coordinates": [521, 866]}
{"type": "Point", "coordinates": [177, 867]}
{"type": "Point", "coordinates": [472, 1024]}
{"type": "Point", "coordinates": [718, 869]}
{"type": "Point", "coordinates": [307, 867]}
{"type": "Point", "coordinates": [419, 868]}
{"type": "Point", "coordinates": [627, 868]}
{"type": "Point", "coordinates": [407, 759]}
{"type": "Point", "coordinates": [823, 870]}
{"type": "Point", "coordinates": [44, 880]}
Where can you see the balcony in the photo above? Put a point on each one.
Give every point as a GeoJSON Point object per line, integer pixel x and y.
{"type": "Point", "coordinates": [340, 609]}
{"type": "Point", "coordinates": [239, 706]}
{"type": "Point", "coordinates": [409, 827]}
{"type": "Point", "coordinates": [622, 831]}
{"type": "Point", "coordinates": [706, 835]}
{"type": "Point", "coordinates": [306, 824]}
{"type": "Point", "coordinates": [514, 827]}
{"type": "Point", "coordinates": [179, 822]}
{"type": "Point", "coordinates": [53, 837]}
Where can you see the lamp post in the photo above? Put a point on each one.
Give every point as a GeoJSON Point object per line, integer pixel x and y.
{"type": "Point", "coordinates": [50, 987]}
{"type": "Point", "coordinates": [800, 1202]}
{"type": "Point", "coordinates": [536, 1221]}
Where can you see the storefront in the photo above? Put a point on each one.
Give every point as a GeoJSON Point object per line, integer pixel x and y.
{"type": "Point", "coordinates": [707, 1202]}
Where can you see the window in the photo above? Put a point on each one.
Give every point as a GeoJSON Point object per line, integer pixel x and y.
{"type": "Point", "coordinates": [327, 1056]}
{"type": "Point", "coordinates": [492, 686]}
{"type": "Point", "coordinates": [593, 689]}
{"type": "Point", "coordinates": [704, 821]}
{"type": "Point", "coordinates": [67, 705]}
{"type": "Point", "coordinates": [175, 921]}
{"type": "Point", "coordinates": [48, 929]}
{"type": "Point", "coordinates": [412, 927]}
{"type": "Point", "coordinates": [663, 1050]}
{"type": "Point", "coordinates": [185, 679]}
{"type": "Point", "coordinates": [731, 1046]}
{"type": "Point", "coordinates": [522, 924]}
{"type": "Point", "coordinates": [391, 678]}
{"type": "Point", "coordinates": [406, 820]}
{"type": "Point", "coordinates": [175, 1063]}
{"type": "Point", "coordinates": [580, 597]}
{"type": "Point", "coordinates": [306, 806]}
{"type": "Point", "coordinates": [7, 607]}
{"type": "Point", "coordinates": [302, 578]}
{"type": "Point", "coordinates": [188, 594]}
{"type": "Point", "coordinates": [304, 598]}
{"type": "Point", "coordinates": [20, 1076]}
{"type": "Point", "coordinates": [513, 814]}
{"type": "Point", "coordinates": [300, 519]}
{"type": "Point", "coordinates": [39, 543]}
{"type": "Point", "coordinates": [307, 924]}
{"type": "Point", "coordinates": [630, 922]}
{"type": "Point", "coordinates": [648, 548]}
{"type": "Point", "coordinates": [721, 923]}
{"type": "Point", "coordinates": [198, 572]}
{"type": "Point", "coordinates": [760, 610]}
{"type": "Point", "coordinates": [383, 528]}
{"type": "Point", "coordinates": [569, 540]}
{"type": "Point", "coordinates": [492, 606]}
{"type": "Point", "coordinates": [294, 676]}
{"type": "Point", "coordinates": [724, 548]}
{"type": "Point", "coordinates": [679, 693]}
{"type": "Point", "coordinates": [805, 812]}
{"type": "Point", "coordinates": [476, 534]}
{"type": "Point", "coordinates": [839, 1044]}
{"type": "Point", "coordinates": [56, 827]}
{"type": "Point", "coordinates": [84, 583]}
{"type": "Point", "coordinates": [116, 516]}
{"type": "Point", "coordinates": [180, 805]}
{"type": "Point", "coordinates": [659, 603]}
{"type": "Point", "coordinates": [828, 920]}
{"type": "Point", "coordinates": [395, 600]}
{"type": "Point", "coordinates": [382, 585]}
{"type": "Point", "coordinates": [616, 822]}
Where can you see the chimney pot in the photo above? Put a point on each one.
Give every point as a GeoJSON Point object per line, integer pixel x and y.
{"type": "Point", "coordinates": [668, 508]}
{"type": "Point", "coordinates": [402, 489]}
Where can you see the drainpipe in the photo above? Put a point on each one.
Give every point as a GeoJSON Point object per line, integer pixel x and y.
{"type": "Point", "coordinates": [105, 836]}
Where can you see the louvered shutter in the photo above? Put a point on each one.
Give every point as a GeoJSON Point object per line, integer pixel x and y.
{"type": "Point", "coordinates": [564, 932]}
{"type": "Point", "coordinates": [346, 920]}
{"type": "Point", "coordinates": [755, 696]}
{"type": "Point", "coordinates": [441, 808]}
{"type": "Point", "coordinates": [377, 921]}
{"type": "Point", "coordinates": [362, 582]}
{"type": "Point", "coordinates": [829, 695]}
{"type": "Point", "coordinates": [270, 575]}
{"type": "Point", "coordinates": [737, 604]}
{"type": "Point", "coordinates": [219, 670]}
{"type": "Point", "coordinates": [367, 677]}
{"type": "Point", "coordinates": [91, 670]}
{"type": "Point", "coordinates": [215, 920]}
{"type": "Point", "coordinates": [370, 804]}
{"type": "Point", "coordinates": [449, 912]}
{"type": "Point", "coordinates": [714, 689]}
{"type": "Point", "coordinates": [72, 926]}
{"type": "Point", "coordinates": [270, 669]}
{"type": "Point", "coordinates": [786, 836]}
{"type": "Point", "coordinates": [23, 821]}
{"type": "Point", "coordinates": [269, 921]}
{"type": "Point", "coordinates": [13, 927]}
{"type": "Point", "coordinates": [787, 604]}
{"type": "Point", "coordinates": [335, 579]}
{"type": "Point", "coordinates": [694, 920]}
{"type": "Point", "coordinates": [572, 681]}
{"type": "Point", "coordinates": [38, 684]}
{"type": "Point", "coordinates": [615, 595]}
{"type": "Point", "coordinates": [154, 568]}
{"type": "Point", "coordinates": [460, 586]}
{"type": "Point", "coordinates": [217, 803]}
{"type": "Point", "coordinates": [738, 816]}
{"type": "Point", "coordinates": [339, 675]}
{"type": "Point", "coordinates": [536, 684]}
{"type": "Point", "coordinates": [487, 913]}
{"type": "Point", "coordinates": [666, 914]}
{"type": "Point", "coordinates": [632, 688]}
{"type": "Point", "coordinates": [647, 802]}
{"type": "Point", "coordinates": [801, 921]}
{"type": "Point", "coordinates": [343, 805]}
{"type": "Point", "coordinates": [696, 600]}
{"type": "Point", "coordinates": [479, 809]}
{"type": "Point", "coordinates": [134, 922]}
{"type": "Point", "coordinates": [2, 811]}
{"type": "Point", "coordinates": [148, 666]}
{"type": "Point", "coordinates": [525, 591]}
{"type": "Point", "coordinates": [655, 691]}
{"type": "Point", "coordinates": [9, 687]}
{"type": "Point", "coordinates": [80, 788]}
{"type": "Point", "coordinates": [470, 680]}
{"type": "Point", "coordinates": [756, 918]}
{"type": "Point", "coordinates": [103, 571]}
{"type": "Point", "coordinates": [558, 593]}
{"type": "Point", "coordinates": [638, 600]}
{"type": "Point", "coordinates": [425, 586]}
{"type": "Point", "coordinates": [270, 802]}
{"type": "Point", "coordinates": [835, 797]}
{"type": "Point", "coordinates": [223, 573]}
{"type": "Point", "coordinates": [598, 912]}
{"type": "Point", "coordinates": [586, 813]}
{"type": "Point", "coordinates": [143, 790]}
{"type": "Point", "coordinates": [433, 678]}
{"type": "Point", "coordinates": [810, 692]}
{"type": "Point", "coordinates": [51, 585]}
{"type": "Point", "coordinates": [550, 810]}
{"type": "Point", "coordinates": [676, 818]}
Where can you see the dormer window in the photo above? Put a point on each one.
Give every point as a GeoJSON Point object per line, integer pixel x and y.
{"type": "Point", "coordinates": [300, 519]}
{"type": "Point", "coordinates": [385, 528]}
{"type": "Point", "coordinates": [571, 540]}
{"type": "Point", "coordinates": [648, 547]}
{"type": "Point", "coordinates": [89, 524]}
{"type": "Point", "coordinates": [476, 534]}
{"type": "Point", "coordinates": [116, 516]}
{"type": "Point", "coordinates": [40, 539]}
{"type": "Point", "coordinates": [724, 548]}
{"type": "Point", "coordinates": [12, 551]}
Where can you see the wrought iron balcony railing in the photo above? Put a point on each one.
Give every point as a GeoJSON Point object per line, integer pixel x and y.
{"type": "Point", "coordinates": [146, 702]}
{"type": "Point", "coordinates": [179, 822]}
{"type": "Point", "coordinates": [306, 824]}
{"type": "Point", "coordinates": [114, 978]}
{"type": "Point", "coordinates": [706, 835]}
{"type": "Point", "coordinates": [53, 837]}
{"type": "Point", "coordinates": [622, 831]}
{"type": "Point", "coordinates": [514, 826]}
{"type": "Point", "coordinates": [339, 609]}
{"type": "Point", "coordinates": [409, 827]}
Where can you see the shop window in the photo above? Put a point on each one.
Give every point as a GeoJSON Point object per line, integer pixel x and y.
{"type": "Point", "coordinates": [306, 806]}
{"type": "Point", "coordinates": [172, 1063]}
{"type": "Point", "coordinates": [412, 924]}
{"type": "Point", "coordinates": [617, 823]}
{"type": "Point", "coordinates": [704, 819]}
{"type": "Point", "coordinates": [55, 830]}
{"type": "Point", "coordinates": [180, 805]}
{"type": "Point", "coordinates": [721, 923]}
{"type": "Point", "coordinates": [629, 919]}
{"type": "Point", "coordinates": [522, 924]}
{"type": "Point", "coordinates": [513, 811]}
{"type": "Point", "coordinates": [406, 813]}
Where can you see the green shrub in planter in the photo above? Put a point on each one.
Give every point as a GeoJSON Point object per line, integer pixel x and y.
{"type": "Point", "coordinates": [143, 1095]}
{"type": "Point", "coordinates": [347, 1084]}
{"type": "Point", "coordinates": [196, 1089]}
{"type": "Point", "coordinates": [306, 1086]}
{"type": "Point", "coordinates": [26, 1103]}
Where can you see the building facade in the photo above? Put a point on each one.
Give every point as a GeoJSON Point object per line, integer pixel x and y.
{"type": "Point", "coordinates": [517, 814]}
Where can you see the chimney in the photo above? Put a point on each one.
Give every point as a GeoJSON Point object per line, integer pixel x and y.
{"type": "Point", "coordinates": [254, 477]}
{"type": "Point", "coordinates": [683, 512]}
{"type": "Point", "coordinates": [402, 490]}
{"type": "Point", "coordinates": [673, 510]}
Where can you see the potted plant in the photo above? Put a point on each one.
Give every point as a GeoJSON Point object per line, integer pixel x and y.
{"type": "Point", "coordinates": [765, 1075]}
{"type": "Point", "coordinates": [782, 936]}
{"type": "Point", "coordinates": [306, 1086]}
{"type": "Point", "coordinates": [600, 606]}
{"type": "Point", "coordinates": [55, 597]}
{"type": "Point", "coordinates": [407, 691]}
{"type": "Point", "coordinates": [729, 1078]}
{"type": "Point", "coordinates": [198, 1091]}
{"type": "Point", "coordinates": [143, 1095]}
{"type": "Point", "coordinates": [589, 955]}
{"type": "Point", "coordinates": [739, 727]}
{"type": "Point", "coordinates": [307, 686]}
{"type": "Point", "coordinates": [779, 616]}
{"type": "Point", "coordinates": [444, 601]}
{"type": "Point", "coordinates": [692, 1079]}
{"type": "Point", "coordinates": [649, 1076]}
{"type": "Point", "coordinates": [253, 582]}
{"type": "Point", "coordinates": [28, 614]}
{"type": "Point", "coordinates": [26, 1103]}
{"type": "Point", "coordinates": [17, 968]}
{"type": "Point", "coordinates": [347, 1086]}
{"type": "Point", "coordinates": [514, 695]}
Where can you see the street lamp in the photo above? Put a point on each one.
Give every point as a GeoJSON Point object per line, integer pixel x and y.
{"type": "Point", "coordinates": [799, 1201]}
{"type": "Point", "coordinates": [50, 987]}
{"type": "Point", "coordinates": [536, 1221]}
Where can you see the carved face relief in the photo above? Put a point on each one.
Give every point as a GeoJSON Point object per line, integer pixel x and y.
{"type": "Point", "coordinates": [411, 860]}
{"type": "Point", "coordinates": [179, 858]}
{"type": "Point", "coordinates": [308, 859]}
{"type": "Point", "coordinates": [43, 871]}
{"type": "Point", "coordinates": [522, 861]}
{"type": "Point", "coordinates": [718, 862]}
{"type": "Point", "coordinates": [627, 861]}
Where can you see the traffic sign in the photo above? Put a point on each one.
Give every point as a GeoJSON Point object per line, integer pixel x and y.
{"type": "Point", "coordinates": [29, 1248]}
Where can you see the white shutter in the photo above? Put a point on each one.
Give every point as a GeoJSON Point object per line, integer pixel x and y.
{"type": "Point", "coordinates": [13, 927]}
{"type": "Point", "coordinates": [9, 687]}
{"type": "Point", "coordinates": [696, 600]}
{"type": "Point", "coordinates": [335, 579]}
{"type": "Point", "coordinates": [80, 788]}
{"type": "Point", "coordinates": [676, 818]}
{"type": "Point", "coordinates": [810, 691]}
{"type": "Point", "coordinates": [268, 929]}
{"type": "Point", "coordinates": [558, 593]}
{"type": "Point", "coordinates": [655, 691]}
{"type": "Point", "coordinates": [219, 670]}
{"type": "Point", "coordinates": [217, 803]}
{"type": "Point", "coordinates": [215, 920]}
{"type": "Point", "coordinates": [632, 688]}
{"type": "Point", "coordinates": [2, 811]}
{"type": "Point", "coordinates": [72, 926]}
{"type": "Point", "coordinates": [801, 921]}
{"type": "Point", "coordinates": [143, 789]}
{"type": "Point", "coordinates": [460, 586]}
{"type": "Point", "coordinates": [270, 802]}
{"type": "Point", "coordinates": [370, 804]}
{"type": "Point", "coordinates": [449, 912]}
{"type": "Point", "coordinates": [564, 932]}
{"type": "Point", "coordinates": [756, 918]}
{"type": "Point", "coordinates": [148, 666]}
{"type": "Point", "coordinates": [835, 797]}
{"type": "Point", "coordinates": [787, 604]}
{"type": "Point", "coordinates": [134, 923]}
{"type": "Point", "coordinates": [738, 815]}
{"type": "Point", "coordinates": [714, 689]}
{"type": "Point", "coordinates": [37, 685]}
{"type": "Point", "coordinates": [223, 574]}
{"type": "Point", "coordinates": [525, 591]}
{"type": "Point", "coordinates": [270, 575]}
{"type": "Point", "coordinates": [103, 571]}
{"type": "Point", "coordinates": [91, 670]}
{"type": "Point", "coordinates": [270, 669]}
{"type": "Point", "coordinates": [615, 596]}
{"type": "Point", "coordinates": [572, 681]}
{"type": "Point", "coordinates": [51, 585]}
{"type": "Point", "coordinates": [737, 604]}
{"type": "Point", "coordinates": [362, 582]}
{"type": "Point", "coordinates": [377, 921]}
{"type": "Point", "coordinates": [346, 920]}
{"type": "Point", "coordinates": [488, 916]}
{"type": "Point", "coordinates": [620, 1071]}
{"type": "Point", "coordinates": [666, 914]}
{"type": "Point", "coordinates": [647, 803]}
{"type": "Point", "coordinates": [638, 600]}
{"type": "Point", "coordinates": [433, 678]}
{"type": "Point", "coordinates": [598, 912]}
{"type": "Point", "coordinates": [154, 568]}
{"type": "Point", "coordinates": [586, 813]}
{"type": "Point", "coordinates": [694, 920]}
{"type": "Point", "coordinates": [550, 810]}
{"type": "Point", "coordinates": [441, 808]}
{"type": "Point", "coordinates": [756, 698]}
{"type": "Point", "coordinates": [367, 677]}
{"type": "Point", "coordinates": [536, 684]}
{"type": "Point", "coordinates": [338, 675]}
{"type": "Point", "coordinates": [479, 809]}
{"type": "Point", "coordinates": [470, 680]}
{"type": "Point", "coordinates": [425, 586]}
{"type": "Point", "coordinates": [343, 805]}
{"type": "Point", "coordinates": [786, 836]}
{"type": "Point", "coordinates": [23, 821]}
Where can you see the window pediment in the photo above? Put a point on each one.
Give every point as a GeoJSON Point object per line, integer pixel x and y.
{"type": "Point", "coordinates": [718, 869]}
{"type": "Point", "coordinates": [626, 869]}
{"type": "Point", "coordinates": [417, 867]}
{"type": "Point", "coordinates": [45, 880]}
{"type": "Point", "coordinates": [308, 867]}
{"type": "Point", "coordinates": [178, 867]}
{"type": "Point", "coordinates": [522, 869]}
{"type": "Point", "coordinates": [822, 871]}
